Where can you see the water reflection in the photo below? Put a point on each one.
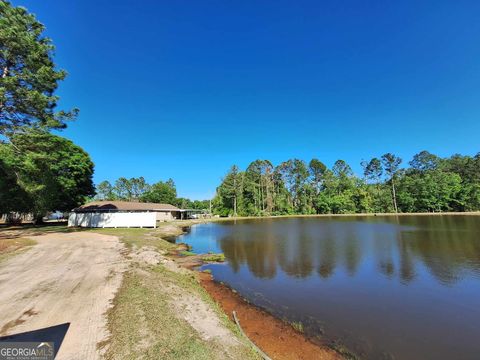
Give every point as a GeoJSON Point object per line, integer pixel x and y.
{"type": "Point", "coordinates": [448, 246]}
{"type": "Point", "coordinates": [408, 287]}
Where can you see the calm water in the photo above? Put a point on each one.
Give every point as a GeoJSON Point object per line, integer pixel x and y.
{"type": "Point", "coordinates": [386, 287]}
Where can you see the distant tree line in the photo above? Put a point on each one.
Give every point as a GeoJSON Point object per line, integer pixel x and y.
{"type": "Point", "coordinates": [137, 189]}
{"type": "Point", "coordinates": [428, 184]}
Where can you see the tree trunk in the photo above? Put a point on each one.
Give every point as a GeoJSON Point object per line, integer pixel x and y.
{"type": "Point", "coordinates": [235, 205]}
{"type": "Point", "coordinates": [235, 196]}
{"type": "Point", "coordinates": [38, 219]}
{"type": "Point", "coordinates": [394, 196]}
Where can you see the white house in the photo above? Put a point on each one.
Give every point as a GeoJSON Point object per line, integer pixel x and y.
{"type": "Point", "coordinates": [123, 214]}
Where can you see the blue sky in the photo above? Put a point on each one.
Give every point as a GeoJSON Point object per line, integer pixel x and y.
{"type": "Point", "coordinates": [185, 89]}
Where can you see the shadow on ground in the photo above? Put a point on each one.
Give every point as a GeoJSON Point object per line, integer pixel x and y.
{"type": "Point", "coordinates": [11, 232]}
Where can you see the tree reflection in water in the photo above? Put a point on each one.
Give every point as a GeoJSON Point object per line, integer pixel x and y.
{"type": "Point", "coordinates": [447, 246]}
{"type": "Point", "coordinates": [379, 284]}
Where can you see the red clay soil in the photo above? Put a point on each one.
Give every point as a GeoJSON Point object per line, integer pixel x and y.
{"type": "Point", "coordinates": [276, 338]}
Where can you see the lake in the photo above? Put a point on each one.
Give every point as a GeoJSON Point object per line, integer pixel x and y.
{"type": "Point", "coordinates": [386, 287]}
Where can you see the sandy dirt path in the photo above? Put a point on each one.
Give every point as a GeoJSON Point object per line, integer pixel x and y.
{"type": "Point", "coordinates": [65, 278]}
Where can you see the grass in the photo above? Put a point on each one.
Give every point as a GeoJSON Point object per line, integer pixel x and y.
{"type": "Point", "coordinates": [343, 351]}
{"type": "Point", "coordinates": [142, 323]}
{"type": "Point", "coordinates": [10, 247]}
{"type": "Point", "coordinates": [187, 253]}
{"type": "Point", "coordinates": [214, 257]}
{"type": "Point", "coordinates": [191, 284]}
{"type": "Point", "coordinates": [297, 326]}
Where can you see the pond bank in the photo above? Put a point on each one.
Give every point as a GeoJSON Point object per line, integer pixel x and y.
{"type": "Point", "coordinates": [280, 340]}
{"type": "Point", "coordinates": [161, 311]}
{"type": "Point", "coordinates": [275, 337]}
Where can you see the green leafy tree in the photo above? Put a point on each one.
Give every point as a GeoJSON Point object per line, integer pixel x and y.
{"type": "Point", "coordinates": [105, 191]}
{"type": "Point", "coordinates": [432, 191]}
{"type": "Point", "coordinates": [183, 203]}
{"type": "Point", "coordinates": [123, 189]}
{"type": "Point", "coordinates": [51, 173]}
{"type": "Point", "coordinates": [138, 187]}
{"type": "Point", "coordinates": [231, 189]}
{"type": "Point", "coordinates": [317, 172]}
{"type": "Point", "coordinates": [161, 192]}
{"type": "Point", "coordinates": [373, 170]}
{"type": "Point", "coordinates": [469, 197]}
{"type": "Point", "coordinates": [282, 197]}
{"type": "Point", "coordinates": [13, 198]}
{"type": "Point", "coordinates": [28, 75]}
{"type": "Point", "coordinates": [343, 172]}
{"type": "Point", "coordinates": [259, 188]}
{"type": "Point", "coordinates": [201, 204]}
{"type": "Point", "coordinates": [424, 161]}
{"type": "Point", "coordinates": [294, 174]}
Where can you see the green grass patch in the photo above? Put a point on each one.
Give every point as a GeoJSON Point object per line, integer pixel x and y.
{"type": "Point", "coordinates": [214, 257]}
{"type": "Point", "coordinates": [297, 326]}
{"type": "Point", "coordinates": [143, 325]}
{"type": "Point", "coordinates": [187, 253]}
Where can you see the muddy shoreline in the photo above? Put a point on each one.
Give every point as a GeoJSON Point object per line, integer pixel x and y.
{"type": "Point", "coordinates": [278, 339]}
{"type": "Point", "coordinates": [275, 337]}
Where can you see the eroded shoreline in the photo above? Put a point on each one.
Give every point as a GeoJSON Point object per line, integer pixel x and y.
{"type": "Point", "coordinates": [272, 335]}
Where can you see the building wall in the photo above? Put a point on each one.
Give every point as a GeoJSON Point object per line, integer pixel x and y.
{"type": "Point", "coordinates": [164, 215]}
{"type": "Point", "coordinates": [114, 219]}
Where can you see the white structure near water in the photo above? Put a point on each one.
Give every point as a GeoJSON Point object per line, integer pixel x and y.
{"type": "Point", "coordinates": [113, 220]}
{"type": "Point", "coordinates": [113, 214]}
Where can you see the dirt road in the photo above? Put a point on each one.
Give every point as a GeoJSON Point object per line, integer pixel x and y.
{"type": "Point", "coordinates": [65, 278]}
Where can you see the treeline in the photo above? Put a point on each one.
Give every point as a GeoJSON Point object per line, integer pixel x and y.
{"type": "Point", "coordinates": [428, 184]}
{"type": "Point", "coordinates": [137, 189]}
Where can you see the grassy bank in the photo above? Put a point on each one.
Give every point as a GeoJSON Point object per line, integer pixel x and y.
{"type": "Point", "coordinates": [161, 311]}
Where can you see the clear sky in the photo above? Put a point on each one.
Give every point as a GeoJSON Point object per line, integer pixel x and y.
{"type": "Point", "coordinates": [185, 89]}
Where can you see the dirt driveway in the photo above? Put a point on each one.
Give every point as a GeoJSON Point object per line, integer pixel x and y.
{"type": "Point", "coordinates": [65, 278]}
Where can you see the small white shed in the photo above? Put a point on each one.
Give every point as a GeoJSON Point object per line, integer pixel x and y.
{"type": "Point", "coordinates": [122, 214]}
